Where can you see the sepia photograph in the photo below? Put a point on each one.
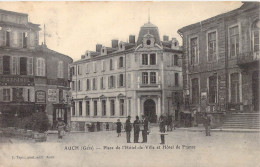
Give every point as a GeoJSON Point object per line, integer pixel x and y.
{"type": "Point", "coordinates": [134, 84]}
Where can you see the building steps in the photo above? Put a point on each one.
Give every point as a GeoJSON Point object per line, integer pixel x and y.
{"type": "Point", "coordinates": [242, 121]}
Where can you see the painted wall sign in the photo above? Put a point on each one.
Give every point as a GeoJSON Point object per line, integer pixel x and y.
{"type": "Point", "coordinates": [52, 95]}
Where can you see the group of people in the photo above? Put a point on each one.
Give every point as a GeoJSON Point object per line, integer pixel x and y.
{"type": "Point", "coordinates": [138, 125]}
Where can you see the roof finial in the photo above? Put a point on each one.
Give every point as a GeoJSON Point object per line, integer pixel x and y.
{"type": "Point", "coordinates": [149, 15]}
{"type": "Point", "coordinates": [44, 34]}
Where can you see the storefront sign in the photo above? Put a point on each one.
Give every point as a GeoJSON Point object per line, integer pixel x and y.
{"type": "Point", "coordinates": [40, 96]}
{"type": "Point", "coordinates": [52, 95]}
{"type": "Point", "coordinates": [16, 81]}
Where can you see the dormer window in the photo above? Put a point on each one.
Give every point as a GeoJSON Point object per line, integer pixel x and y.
{"type": "Point", "coordinates": [148, 42]}
{"type": "Point", "coordinates": [103, 50]}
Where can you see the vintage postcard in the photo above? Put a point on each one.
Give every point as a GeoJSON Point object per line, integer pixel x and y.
{"type": "Point", "coordinates": [135, 84]}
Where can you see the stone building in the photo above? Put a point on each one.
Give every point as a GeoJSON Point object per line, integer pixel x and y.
{"type": "Point", "coordinates": [221, 61]}
{"type": "Point", "coordinates": [135, 78]}
{"type": "Point", "coordinates": [32, 77]}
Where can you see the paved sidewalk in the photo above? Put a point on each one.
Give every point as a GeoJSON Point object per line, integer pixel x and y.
{"type": "Point", "coordinates": [202, 129]}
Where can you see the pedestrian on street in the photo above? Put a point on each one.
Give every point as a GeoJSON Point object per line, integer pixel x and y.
{"type": "Point", "coordinates": [145, 124]}
{"type": "Point", "coordinates": [206, 122]}
{"type": "Point", "coordinates": [118, 127]}
{"type": "Point", "coordinates": [136, 129]}
{"type": "Point", "coordinates": [61, 130]}
{"type": "Point", "coordinates": [162, 122]}
{"type": "Point", "coordinates": [169, 123]}
{"type": "Point", "coordinates": [128, 129]}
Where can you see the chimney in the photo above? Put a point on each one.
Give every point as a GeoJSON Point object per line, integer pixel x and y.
{"type": "Point", "coordinates": [114, 43]}
{"type": "Point", "coordinates": [132, 39]}
{"type": "Point", "coordinates": [98, 47]}
{"type": "Point", "coordinates": [165, 38]}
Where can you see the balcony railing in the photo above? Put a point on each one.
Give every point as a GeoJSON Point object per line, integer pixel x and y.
{"type": "Point", "coordinates": [247, 57]}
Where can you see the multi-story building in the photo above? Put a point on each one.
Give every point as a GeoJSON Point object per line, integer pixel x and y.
{"type": "Point", "coordinates": [221, 61]}
{"type": "Point", "coordinates": [132, 78]}
{"type": "Point", "coordinates": [32, 77]}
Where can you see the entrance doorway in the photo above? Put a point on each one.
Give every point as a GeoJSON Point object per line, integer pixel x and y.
{"type": "Point", "coordinates": [150, 110]}
{"type": "Point", "coordinates": [255, 90]}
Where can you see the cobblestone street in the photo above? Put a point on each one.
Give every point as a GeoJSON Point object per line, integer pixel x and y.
{"type": "Point", "coordinates": [182, 148]}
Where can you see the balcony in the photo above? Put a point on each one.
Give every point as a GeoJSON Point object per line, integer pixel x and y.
{"type": "Point", "coordinates": [149, 85]}
{"type": "Point", "coordinates": [247, 58]}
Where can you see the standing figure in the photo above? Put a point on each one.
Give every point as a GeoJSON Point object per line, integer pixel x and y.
{"type": "Point", "coordinates": [60, 127]}
{"type": "Point", "coordinates": [206, 123]}
{"type": "Point", "coordinates": [136, 129]}
{"type": "Point", "coordinates": [118, 127]}
{"type": "Point", "coordinates": [145, 124]}
{"type": "Point", "coordinates": [128, 129]}
{"type": "Point", "coordinates": [162, 123]}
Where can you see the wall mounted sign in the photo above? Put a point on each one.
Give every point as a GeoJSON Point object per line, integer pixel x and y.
{"type": "Point", "coordinates": [52, 95]}
{"type": "Point", "coordinates": [40, 96]}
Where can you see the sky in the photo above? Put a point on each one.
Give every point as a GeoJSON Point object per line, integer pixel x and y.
{"type": "Point", "coordinates": [72, 28]}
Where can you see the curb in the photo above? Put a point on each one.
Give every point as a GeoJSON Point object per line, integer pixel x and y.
{"type": "Point", "coordinates": [223, 130]}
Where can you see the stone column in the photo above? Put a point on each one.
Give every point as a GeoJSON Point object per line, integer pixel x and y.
{"type": "Point", "coordinates": [159, 107]}
{"type": "Point", "coordinates": [138, 106]}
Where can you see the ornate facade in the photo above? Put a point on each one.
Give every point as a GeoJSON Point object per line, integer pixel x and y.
{"type": "Point", "coordinates": [135, 78]}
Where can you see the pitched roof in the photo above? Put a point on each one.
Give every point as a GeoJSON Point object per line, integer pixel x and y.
{"type": "Point", "coordinates": [151, 29]}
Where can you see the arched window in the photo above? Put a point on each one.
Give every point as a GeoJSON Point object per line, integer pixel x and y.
{"type": "Point", "coordinates": [255, 35]}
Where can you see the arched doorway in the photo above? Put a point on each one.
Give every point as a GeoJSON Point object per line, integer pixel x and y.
{"type": "Point", "coordinates": [150, 110]}
{"type": "Point", "coordinates": [255, 90]}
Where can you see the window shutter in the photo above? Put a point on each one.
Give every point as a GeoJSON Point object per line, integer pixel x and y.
{"type": "Point", "coordinates": [118, 81]}
{"type": "Point", "coordinates": [1, 64]}
{"type": "Point", "coordinates": [104, 82]}
{"type": "Point", "coordinates": [1, 94]}
{"type": "Point", "coordinates": [2, 37]}
{"type": "Point", "coordinates": [43, 61]}
{"type": "Point", "coordinates": [25, 94]}
{"type": "Point", "coordinates": [18, 65]}
{"type": "Point", "coordinates": [20, 37]}
{"type": "Point", "coordinates": [12, 38]}
{"type": "Point", "coordinates": [116, 64]}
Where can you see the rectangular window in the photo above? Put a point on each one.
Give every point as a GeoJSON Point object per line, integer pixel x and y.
{"type": "Point", "coordinates": [144, 59]}
{"type": "Point", "coordinates": [25, 35]}
{"type": "Point", "coordinates": [15, 65]}
{"type": "Point", "coordinates": [94, 84]}
{"type": "Point", "coordinates": [88, 84]}
{"type": "Point", "coordinates": [80, 108]}
{"type": "Point", "coordinates": [234, 41]}
{"type": "Point", "coordinates": [6, 65]}
{"type": "Point", "coordinates": [40, 67]}
{"type": "Point", "coordinates": [153, 59]}
{"type": "Point", "coordinates": [79, 85]}
{"type": "Point", "coordinates": [87, 68]}
{"type": "Point", "coordinates": [121, 80]}
{"type": "Point", "coordinates": [87, 108]}
{"type": "Point", "coordinates": [153, 77]}
{"type": "Point", "coordinates": [104, 112]}
{"type": "Point", "coordinates": [6, 95]}
{"type": "Point", "coordinates": [145, 77]}
{"type": "Point", "coordinates": [121, 62]}
{"type": "Point", "coordinates": [194, 57]}
{"type": "Point", "coordinates": [95, 108]}
{"type": "Point", "coordinates": [60, 69]}
{"type": "Point", "coordinates": [212, 37]}
{"type": "Point", "coordinates": [1, 64]}
{"type": "Point", "coordinates": [73, 85]}
{"type": "Point", "coordinates": [195, 90]}
{"type": "Point", "coordinates": [176, 75]}
{"type": "Point", "coordinates": [79, 70]}
{"type": "Point", "coordinates": [28, 95]}
{"type": "Point", "coordinates": [112, 107]}
{"type": "Point", "coordinates": [23, 66]}
{"type": "Point", "coordinates": [111, 82]}
{"type": "Point", "coordinates": [103, 65]}
{"type": "Point", "coordinates": [111, 64]}
{"type": "Point", "coordinates": [101, 83]}
{"type": "Point", "coordinates": [122, 107]}
{"type": "Point", "coordinates": [176, 59]}
{"type": "Point", "coordinates": [7, 42]}
{"type": "Point", "coordinates": [213, 89]}
{"type": "Point", "coordinates": [18, 94]}
{"type": "Point", "coordinates": [234, 87]}
{"type": "Point", "coordinates": [30, 66]}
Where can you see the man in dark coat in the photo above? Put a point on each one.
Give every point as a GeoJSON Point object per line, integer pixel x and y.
{"type": "Point", "coordinates": [206, 122]}
{"type": "Point", "coordinates": [136, 129]}
{"type": "Point", "coordinates": [162, 124]}
{"type": "Point", "coordinates": [145, 129]}
{"type": "Point", "coordinates": [128, 129]}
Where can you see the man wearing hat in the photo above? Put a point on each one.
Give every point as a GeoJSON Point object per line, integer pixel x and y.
{"type": "Point", "coordinates": [128, 129]}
